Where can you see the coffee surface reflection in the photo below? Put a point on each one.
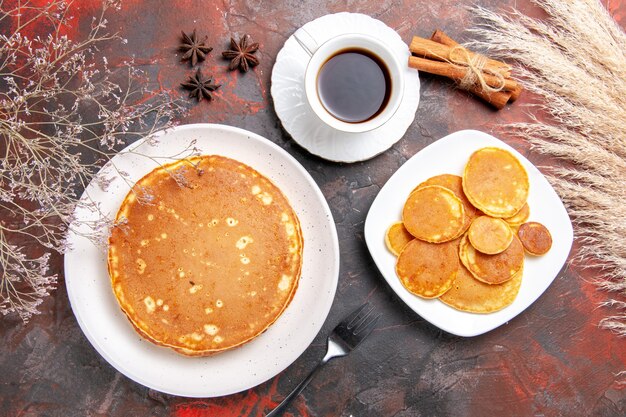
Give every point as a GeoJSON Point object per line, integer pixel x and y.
{"type": "Point", "coordinates": [354, 85]}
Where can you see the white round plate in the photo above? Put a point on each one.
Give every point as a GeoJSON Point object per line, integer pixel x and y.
{"type": "Point", "coordinates": [299, 119]}
{"type": "Point", "coordinates": [162, 369]}
{"type": "Point", "coordinates": [449, 156]}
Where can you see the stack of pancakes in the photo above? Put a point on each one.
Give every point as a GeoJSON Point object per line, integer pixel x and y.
{"type": "Point", "coordinates": [458, 239]}
{"type": "Point", "coordinates": [207, 254]}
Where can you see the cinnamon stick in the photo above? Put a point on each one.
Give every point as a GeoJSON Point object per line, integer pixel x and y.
{"type": "Point", "coordinates": [516, 92]}
{"type": "Point", "coordinates": [426, 48]}
{"type": "Point", "coordinates": [457, 72]}
{"type": "Point", "coordinates": [498, 99]}
{"type": "Point", "coordinates": [441, 37]}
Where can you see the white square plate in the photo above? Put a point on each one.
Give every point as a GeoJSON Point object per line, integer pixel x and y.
{"type": "Point", "coordinates": [449, 155]}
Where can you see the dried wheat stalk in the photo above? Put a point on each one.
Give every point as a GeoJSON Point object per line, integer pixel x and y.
{"type": "Point", "coordinates": [575, 60]}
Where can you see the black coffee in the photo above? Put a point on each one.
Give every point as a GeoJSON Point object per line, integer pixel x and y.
{"type": "Point", "coordinates": [354, 85]}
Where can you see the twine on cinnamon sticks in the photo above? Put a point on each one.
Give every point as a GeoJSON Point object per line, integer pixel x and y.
{"type": "Point", "coordinates": [484, 77]}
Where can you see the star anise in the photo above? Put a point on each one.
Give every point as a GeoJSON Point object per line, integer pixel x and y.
{"type": "Point", "coordinates": [199, 86]}
{"type": "Point", "coordinates": [240, 54]}
{"type": "Point", "coordinates": [195, 50]}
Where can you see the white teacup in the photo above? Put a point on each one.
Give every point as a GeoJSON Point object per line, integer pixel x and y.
{"type": "Point", "coordinates": [320, 54]}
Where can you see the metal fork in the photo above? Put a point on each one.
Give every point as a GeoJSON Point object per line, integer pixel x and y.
{"type": "Point", "coordinates": [344, 338]}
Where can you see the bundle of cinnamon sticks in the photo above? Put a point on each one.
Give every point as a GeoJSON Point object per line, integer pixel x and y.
{"type": "Point", "coordinates": [489, 79]}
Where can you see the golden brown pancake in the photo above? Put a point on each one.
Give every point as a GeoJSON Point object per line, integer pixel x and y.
{"type": "Point", "coordinates": [433, 214]}
{"type": "Point", "coordinates": [520, 217]}
{"type": "Point", "coordinates": [492, 269]}
{"type": "Point", "coordinates": [469, 294]}
{"type": "Point", "coordinates": [535, 237]}
{"type": "Point", "coordinates": [428, 269]}
{"type": "Point", "coordinates": [490, 235]}
{"type": "Point", "coordinates": [209, 260]}
{"type": "Point", "coordinates": [454, 183]}
{"type": "Point", "coordinates": [397, 237]}
{"type": "Point", "coordinates": [495, 182]}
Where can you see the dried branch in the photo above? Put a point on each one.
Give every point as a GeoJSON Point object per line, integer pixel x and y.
{"type": "Point", "coordinates": [63, 114]}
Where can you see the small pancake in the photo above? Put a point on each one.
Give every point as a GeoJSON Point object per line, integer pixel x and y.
{"type": "Point", "coordinates": [454, 183]}
{"type": "Point", "coordinates": [495, 182]}
{"type": "Point", "coordinates": [433, 214]}
{"type": "Point", "coordinates": [492, 269]}
{"type": "Point", "coordinates": [490, 235]}
{"type": "Point", "coordinates": [397, 237]}
{"type": "Point", "coordinates": [535, 237]}
{"type": "Point", "coordinates": [428, 269]}
{"type": "Point", "coordinates": [211, 261]}
{"type": "Point", "coordinates": [520, 217]}
{"type": "Point", "coordinates": [469, 294]}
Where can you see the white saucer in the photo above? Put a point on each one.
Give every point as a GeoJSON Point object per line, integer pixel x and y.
{"type": "Point", "coordinates": [297, 116]}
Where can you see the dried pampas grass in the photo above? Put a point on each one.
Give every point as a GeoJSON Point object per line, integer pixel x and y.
{"type": "Point", "coordinates": [575, 60]}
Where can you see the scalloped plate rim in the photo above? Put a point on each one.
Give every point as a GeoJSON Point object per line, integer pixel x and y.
{"type": "Point", "coordinates": [403, 116]}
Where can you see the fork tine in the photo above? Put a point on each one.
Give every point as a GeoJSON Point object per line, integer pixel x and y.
{"type": "Point", "coordinates": [358, 321]}
{"type": "Point", "coordinates": [365, 329]}
{"type": "Point", "coordinates": [352, 317]}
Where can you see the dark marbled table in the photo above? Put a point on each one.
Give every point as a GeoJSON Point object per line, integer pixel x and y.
{"type": "Point", "coordinates": [551, 360]}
